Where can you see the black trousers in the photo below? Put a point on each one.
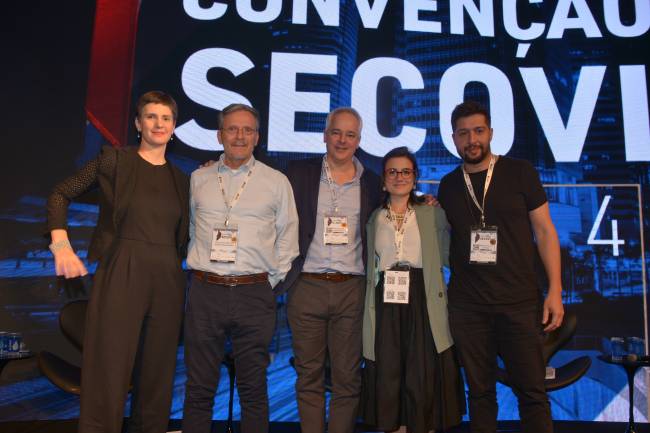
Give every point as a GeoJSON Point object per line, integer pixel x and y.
{"type": "Point", "coordinates": [132, 328]}
{"type": "Point", "coordinates": [246, 314]}
{"type": "Point", "coordinates": [517, 337]}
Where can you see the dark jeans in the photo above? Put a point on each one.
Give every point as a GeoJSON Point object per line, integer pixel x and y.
{"type": "Point", "coordinates": [517, 337]}
{"type": "Point", "coordinates": [246, 314]}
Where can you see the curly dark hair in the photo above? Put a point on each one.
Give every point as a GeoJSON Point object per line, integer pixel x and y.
{"type": "Point", "coordinates": [400, 152]}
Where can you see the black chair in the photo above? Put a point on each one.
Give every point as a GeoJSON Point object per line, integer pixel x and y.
{"type": "Point", "coordinates": [66, 376]}
{"type": "Point", "coordinates": [554, 341]}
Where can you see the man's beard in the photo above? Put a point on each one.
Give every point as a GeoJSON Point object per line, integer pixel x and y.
{"type": "Point", "coordinates": [479, 158]}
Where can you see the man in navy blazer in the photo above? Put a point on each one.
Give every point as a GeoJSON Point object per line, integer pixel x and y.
{"type": "Point", "coordinates": [334, 196]}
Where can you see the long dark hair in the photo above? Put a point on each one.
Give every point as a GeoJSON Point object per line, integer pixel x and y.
{"type": "Point", "coordinates": [400, 152]}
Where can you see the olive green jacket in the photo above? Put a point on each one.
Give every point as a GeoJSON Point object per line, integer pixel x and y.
{"type": "Point", "coordinates": [434, 237]}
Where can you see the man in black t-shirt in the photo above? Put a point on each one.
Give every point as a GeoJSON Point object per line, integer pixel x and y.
{"type": "Point", "coordinates": [495, 205]}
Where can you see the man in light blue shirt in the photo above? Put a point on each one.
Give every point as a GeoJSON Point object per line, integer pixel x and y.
{"type": "Point", "coordinates": [346, 257]}
{"type": "Point", "coordinates": [243, 239]}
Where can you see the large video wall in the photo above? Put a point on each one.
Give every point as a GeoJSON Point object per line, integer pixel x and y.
{"type": "Point", "coordinates": [566, 82]}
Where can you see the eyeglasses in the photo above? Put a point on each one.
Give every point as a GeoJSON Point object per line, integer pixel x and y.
{"type": "Point", "coordinates": [406, 173]}
{"type": "Point", "coordinates": [234, 130]}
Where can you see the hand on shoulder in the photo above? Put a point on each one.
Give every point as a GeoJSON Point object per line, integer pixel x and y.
{"type": "Point", "coordinates": [208, 163]}
{"type": "Point", "coordinates": [430, 200]}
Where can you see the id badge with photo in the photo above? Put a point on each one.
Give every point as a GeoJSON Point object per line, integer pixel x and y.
{"type": "Point", "coordinates": [335, 230]}
{"type": "Point", "coordinates": [396, 287]}
{"type": "Point", "coordinates": [224, 244]}
{"type": "Point", "coordinates": [483, 245]}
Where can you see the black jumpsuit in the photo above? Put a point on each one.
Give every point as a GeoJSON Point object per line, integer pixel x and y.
{"type": "Point", "coordinates": [135, 311]}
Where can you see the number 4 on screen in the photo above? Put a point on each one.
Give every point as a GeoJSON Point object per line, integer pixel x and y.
{"type": "Point", "coordinates": [614, 241]}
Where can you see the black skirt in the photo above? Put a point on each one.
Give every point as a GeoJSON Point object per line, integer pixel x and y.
{"type": "Point", "coordinates": [410, 383]}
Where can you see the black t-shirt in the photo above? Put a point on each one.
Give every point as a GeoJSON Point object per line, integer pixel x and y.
{"type": "Point", "coordinates": [515, 190]}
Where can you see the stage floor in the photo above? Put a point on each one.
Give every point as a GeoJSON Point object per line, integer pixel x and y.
{"type": "Point", "coordinates": [590, 399]}
{"type": "Point", "coordinates": [70, 426]}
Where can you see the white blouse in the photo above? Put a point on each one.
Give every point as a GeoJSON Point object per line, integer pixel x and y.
{"type": "Point", "coordinates": [385, 242]}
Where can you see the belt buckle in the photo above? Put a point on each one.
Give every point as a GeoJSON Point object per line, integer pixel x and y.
{"type": "Point", "coordinates": [232, 281]}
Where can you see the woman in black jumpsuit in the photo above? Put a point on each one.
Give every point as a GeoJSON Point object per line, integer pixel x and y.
{"type": "Point", "coordinates": [135, 309]}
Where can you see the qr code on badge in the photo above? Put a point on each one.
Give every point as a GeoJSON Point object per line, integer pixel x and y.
{"type": "Point", "coordinates": [390, 294]}
{"type": "Point", "coordinates": [390, 279]}
{"type": "Point", "coordinates": [402, 281]}
{"type": "Point", "coordinates": [401, 296]}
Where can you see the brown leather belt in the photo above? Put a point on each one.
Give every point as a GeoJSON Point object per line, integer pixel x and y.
{"type": "Point", "coordinates": [231, 280]}
{"type": "Point", "coordinates": [336, 277]}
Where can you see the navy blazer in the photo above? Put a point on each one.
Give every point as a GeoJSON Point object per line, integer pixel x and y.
{"type": "Point", "coordinates": [304, 176]}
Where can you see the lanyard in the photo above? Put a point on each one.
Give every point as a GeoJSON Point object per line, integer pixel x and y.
{"type": "Point", "coordinates": [470, 188]}
{"type": "Point", "coordinates": [230, 205]}
{"type": "Point", "coordinates": [330, 183]}
{"type": "Point", "coordinates": [399, 231]}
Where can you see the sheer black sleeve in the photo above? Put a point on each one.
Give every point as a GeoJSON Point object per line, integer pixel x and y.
{"type": "Point", "coordinates": [75, 185]}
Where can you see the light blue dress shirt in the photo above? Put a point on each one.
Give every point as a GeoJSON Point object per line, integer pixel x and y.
{"type": "Point", "coordinates": [265, 215]}
{"type": "Point", "coordinates": [345, 258]}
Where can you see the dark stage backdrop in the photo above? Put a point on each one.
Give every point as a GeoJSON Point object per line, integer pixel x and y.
{"type": "Point", "coordinates": [566, 81]}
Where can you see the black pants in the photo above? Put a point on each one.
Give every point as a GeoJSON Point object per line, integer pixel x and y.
{"type": "Point", "coordinates": [132, 329]}
{"type": "Point", "coordinates": [246, 314]}
{"type": "Point", "coordinates": [517, 337]}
